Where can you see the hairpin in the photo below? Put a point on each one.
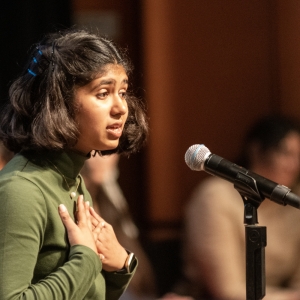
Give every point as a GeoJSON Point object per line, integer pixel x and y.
{"type": "Point", "coordinates": [30, 72]}
{"type": "Point", "coordinates": [40, 53]}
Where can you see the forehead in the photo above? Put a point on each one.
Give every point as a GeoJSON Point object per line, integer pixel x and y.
{"type": "Point", "coordinates": [292, 140]}
{"type": "Point", "coordinates": [114, 70]}
{"type": "Point", "coordinates": [113, 74]}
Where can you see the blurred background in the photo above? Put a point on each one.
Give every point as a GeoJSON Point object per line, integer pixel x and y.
{"type": "Point", "coordinates": [206, 70]}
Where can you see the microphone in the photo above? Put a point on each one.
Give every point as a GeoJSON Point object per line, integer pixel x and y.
{"type": "Point", "coordinates": [199, 158]}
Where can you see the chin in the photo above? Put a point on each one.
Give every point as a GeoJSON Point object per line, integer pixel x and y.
{"type": "Point", "coordinates": [110, 146]}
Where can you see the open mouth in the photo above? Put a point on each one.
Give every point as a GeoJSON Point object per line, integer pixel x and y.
{"type": "Point", "coordinates": [116, 130]}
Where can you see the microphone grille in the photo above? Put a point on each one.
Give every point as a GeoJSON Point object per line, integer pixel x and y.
{"type": "Point", "coordinates": [195, 157]}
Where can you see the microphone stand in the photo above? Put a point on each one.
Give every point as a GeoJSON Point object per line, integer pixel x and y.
{"type": "Point", "coordinates": [255, 237]}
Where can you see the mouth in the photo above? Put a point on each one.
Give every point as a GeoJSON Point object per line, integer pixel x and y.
{"type": "Point", "coordinates": [115, 130]}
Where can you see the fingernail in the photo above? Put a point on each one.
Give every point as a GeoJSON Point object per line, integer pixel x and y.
{"type": "Point", "coordinates": [62, 208]}
{"type": "Point", "coordinates": [88, 203]}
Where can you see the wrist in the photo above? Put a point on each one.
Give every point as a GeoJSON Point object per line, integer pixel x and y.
{"type": "Point", "coordinates": [129, 263]}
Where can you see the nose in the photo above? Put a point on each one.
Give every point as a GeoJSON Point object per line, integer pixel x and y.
{"type": "Point", "coordinates": [119, 106]}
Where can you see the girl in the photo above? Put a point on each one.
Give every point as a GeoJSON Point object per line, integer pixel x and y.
{"type": "Point", "coordinates": [70, 101]}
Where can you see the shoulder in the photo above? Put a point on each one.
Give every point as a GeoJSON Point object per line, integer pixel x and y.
{"type": "Point", "coordinates": [214, 188]}
{"type": "Point", "coordinates": [20, 167]}
{"type": "Point", "coordinates": [215, 194]}
{"type": "Point", "coordinates": [20, 180]}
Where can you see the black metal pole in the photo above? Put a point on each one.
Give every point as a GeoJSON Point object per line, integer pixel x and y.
{"type": "Point", "coordinates": [255, 237]}
{"type": "Point", "coordinates": [255, 241]}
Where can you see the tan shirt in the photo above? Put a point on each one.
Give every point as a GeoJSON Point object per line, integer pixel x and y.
{"type": "Point", "coordinates": [214, 251]}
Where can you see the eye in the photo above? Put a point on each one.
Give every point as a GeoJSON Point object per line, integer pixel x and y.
{"type": "Point", "coordinates": [102, 94]}
{"type": "Point", "coordinates": [123, 94]}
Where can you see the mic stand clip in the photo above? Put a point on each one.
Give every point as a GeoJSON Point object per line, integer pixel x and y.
{"type": "Point", "coordinates": [255, 237]}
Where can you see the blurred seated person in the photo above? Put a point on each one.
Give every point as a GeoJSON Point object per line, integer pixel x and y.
{"type": "Point", "coordinates": [214, 245]}
{"type": "Point", "coordinates": [101, 178]}
{"type": "Point", "coordinates": [5, 155]}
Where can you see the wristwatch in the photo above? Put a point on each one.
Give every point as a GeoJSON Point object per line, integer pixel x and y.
{"type": "Point", "coordinates": [129, 264]}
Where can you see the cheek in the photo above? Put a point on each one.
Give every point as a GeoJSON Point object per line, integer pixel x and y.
{"type": "Point", "coordinates": [85, 117]}
{"type": "Point", "coordinates": [287, 169]}
{"type": "Point", "coordinates": [127, 111]}
{"type": "Point", "coordinates": [80, 121]}
{"type": "Point", "coordinates": [85, 124]}
{"type": "Point", "coordinates": [126, 116]}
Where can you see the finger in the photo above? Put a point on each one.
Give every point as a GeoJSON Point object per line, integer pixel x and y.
{"type": "Point", "coordinates": [65, 217]}
{"type": "Point", "coordinates": [87, 208]}
{"type": "Point", "coordinates": [98, 228]}
{"type": "Point", "coordinates": [95, 215]}
{"type": "Point", "coordinates": [101, 256]}
{"type": "Point", "coordinates": [81, 215]}
{"type": "Point", "coordinates": [96, 219]}
{"type": "Point", "coordinates": [95, 223]}
{"type": "Point", "coordinates": [88, 215]}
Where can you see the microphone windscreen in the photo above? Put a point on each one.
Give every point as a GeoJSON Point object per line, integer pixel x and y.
{"type": "Point", "coordinates": [195, 157]}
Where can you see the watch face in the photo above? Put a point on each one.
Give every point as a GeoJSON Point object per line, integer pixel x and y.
{"type": "Point", "coordinates": [129, 261]}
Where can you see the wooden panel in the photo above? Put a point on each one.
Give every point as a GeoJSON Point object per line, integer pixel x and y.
{"type": "Point", "coordinates": [289, 55]}
{"type": "Point", "coordinates": [211, 68]}
{"type": "Point", "coordinates": [209, 74]}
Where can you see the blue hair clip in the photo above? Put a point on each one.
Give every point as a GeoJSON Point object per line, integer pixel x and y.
{"type": "Point", "coordinates": [30, 72]}
{"type": "Point", "coordinates": [40, 54]}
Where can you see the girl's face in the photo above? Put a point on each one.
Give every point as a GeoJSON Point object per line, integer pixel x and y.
{"type": "Point", "coordinates": [102, 110]}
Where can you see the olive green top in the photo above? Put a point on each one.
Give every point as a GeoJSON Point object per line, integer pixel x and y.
{"type": "Point", "coordinates": [36, 260]}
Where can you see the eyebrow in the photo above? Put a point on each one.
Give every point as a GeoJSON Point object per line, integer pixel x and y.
{"type": "Point", "coordinates": [107, 82]}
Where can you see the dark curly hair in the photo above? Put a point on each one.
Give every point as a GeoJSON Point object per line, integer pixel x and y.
{"type": "Point", "coordinates": [41, 113]}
